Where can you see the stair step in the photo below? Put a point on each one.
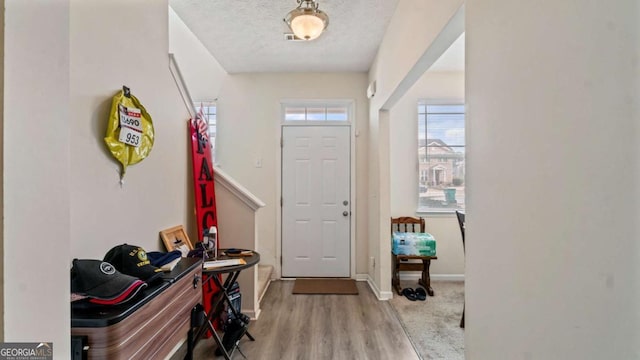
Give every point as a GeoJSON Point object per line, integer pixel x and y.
{"type": "Point", "coordinates": [264, 278]}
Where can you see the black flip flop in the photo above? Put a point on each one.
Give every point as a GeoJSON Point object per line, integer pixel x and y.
{"type": "Point", "coordinates": [421, 294]}
{"type": "Point", "coordinates": [409, 294]}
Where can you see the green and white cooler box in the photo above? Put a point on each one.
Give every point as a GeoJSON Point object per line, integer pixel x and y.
{"type": "Point", "coordinates": [409, 243]}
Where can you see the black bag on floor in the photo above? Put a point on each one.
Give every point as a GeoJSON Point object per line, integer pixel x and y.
{"type": "Point", "coordinates": [235, 329]}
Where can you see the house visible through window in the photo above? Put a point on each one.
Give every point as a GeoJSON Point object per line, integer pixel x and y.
{"type": "Point", "coordinates": [441, 154]}
{"type": "Point", "coordinates": [209, 110]}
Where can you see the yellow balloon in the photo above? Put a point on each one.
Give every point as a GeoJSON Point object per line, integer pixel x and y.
{"type": "Point", "coordinates": [129, 131]}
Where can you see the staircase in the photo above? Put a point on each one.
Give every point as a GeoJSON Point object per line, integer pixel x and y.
{"type": "Point", "coordinates": [264, 279]}
{"type": "Point", "coordinates": [237, 226]}
{"type": "Point", "coordinates": [237, 221]}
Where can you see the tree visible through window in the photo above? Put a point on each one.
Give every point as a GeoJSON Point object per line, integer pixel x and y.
{"type": "Point", "coordinates": [441, 154]}
{"type": "Point", "coordinates": [209, 110]}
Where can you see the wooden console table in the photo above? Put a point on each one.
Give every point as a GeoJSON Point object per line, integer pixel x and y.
{"type": "Point", "coordinates": [151, 325]}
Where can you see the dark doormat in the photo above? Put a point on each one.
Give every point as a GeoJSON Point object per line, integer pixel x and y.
{"type": "Point", "coordinates": [325, 286]}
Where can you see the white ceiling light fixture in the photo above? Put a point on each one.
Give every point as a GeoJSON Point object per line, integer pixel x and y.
{"type": "Point", "coordinates": [306, 21]}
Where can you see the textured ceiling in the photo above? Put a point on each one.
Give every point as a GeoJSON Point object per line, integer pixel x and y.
{"type": "Point", "coordinates": [248, 36]}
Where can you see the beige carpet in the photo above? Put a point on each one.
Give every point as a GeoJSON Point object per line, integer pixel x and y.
{"type": "Point", "coordinates": [325, 286]}
{"type": "Point", "coordinates": [433, 325]}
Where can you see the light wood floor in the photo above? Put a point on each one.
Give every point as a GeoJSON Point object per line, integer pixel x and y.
{"type": "Point", "coordinates": [318, 327]}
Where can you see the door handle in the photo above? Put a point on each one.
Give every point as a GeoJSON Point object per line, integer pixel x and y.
{"type": "Point", "coordinates": [345, 213]}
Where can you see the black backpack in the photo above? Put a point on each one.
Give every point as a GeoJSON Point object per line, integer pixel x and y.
{"type": "Point", "coordinates": [234, 331]}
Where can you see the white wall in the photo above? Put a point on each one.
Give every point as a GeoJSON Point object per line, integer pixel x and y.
{"type": "Point", "coordinates": [63, 63]}
{"type": "Point", "coordinates": [437, 86]}
{"type": "Point", "coordinates": [2, 291]}
{"type": "Point", "coordinates": [36, 173]}
{"type": "Point", "coordinates": [249, 117]}
{"type": "Point", "coordinates": [201, 71]}
{"type": "Point", "coordinates": [406, 40]}
{"type": "Point", "coordinates": [552, 250]}
{"type": "Point", "coordinates": [109, 49]}
{"type": "Point", "coordinates": [413, 27]}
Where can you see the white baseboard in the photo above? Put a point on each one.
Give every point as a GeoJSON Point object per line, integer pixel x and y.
{"type": "Point", "coordinates": [266, 287]}
{"type": "Point", "coordinates": [380, 295]}
{"type": "Point", "coordinates": [406, 275]}
{"type": "Point", "coordinates": [252, 314]}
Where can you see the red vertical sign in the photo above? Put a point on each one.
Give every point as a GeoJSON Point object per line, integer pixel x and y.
{"type": "Point", "coordinates": [204, 190]}
{"type": "Point", "coordinates": [205, 196]}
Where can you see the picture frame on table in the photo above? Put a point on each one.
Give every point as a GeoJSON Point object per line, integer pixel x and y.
{"type": "Point", "coordinates": [175, 238]}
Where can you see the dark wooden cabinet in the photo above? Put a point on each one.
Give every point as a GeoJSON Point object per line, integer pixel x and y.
{"type": "Point", "coordinates": [148, 328]}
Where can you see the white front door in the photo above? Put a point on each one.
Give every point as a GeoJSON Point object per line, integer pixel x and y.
{"type": "Point", "coordinates": [316, 207]}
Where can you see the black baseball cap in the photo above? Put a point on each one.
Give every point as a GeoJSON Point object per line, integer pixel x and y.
{"type": "Point", "coordinates": [101, 282]}
{"type": "Point", "coordinates": [132, 260]}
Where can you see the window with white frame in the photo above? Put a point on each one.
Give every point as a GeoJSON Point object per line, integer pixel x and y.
{"type": "Point", "coordinates": [441, 154]}
{"type": "Point", "coordinates": [209, 111]}
{"type": "Point", "coordinates": [317, 112]}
